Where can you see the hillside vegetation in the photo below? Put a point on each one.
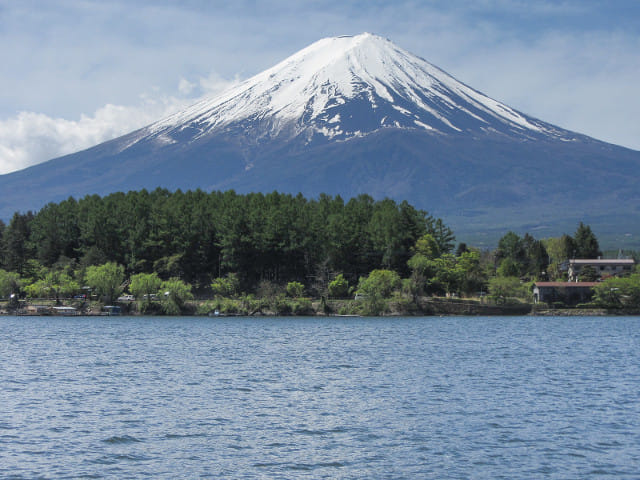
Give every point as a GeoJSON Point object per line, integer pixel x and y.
{"type": "Point", "coordinates": [240, 247]}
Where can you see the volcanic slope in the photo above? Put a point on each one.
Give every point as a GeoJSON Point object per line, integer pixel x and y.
{"type": "Point", "coordinates": [357, 114]}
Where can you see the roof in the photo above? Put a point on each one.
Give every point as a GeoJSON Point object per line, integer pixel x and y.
{"type": "Point", "coordinates": [566, 284]}
{"type": "Point", "coordinates": [602, 261]}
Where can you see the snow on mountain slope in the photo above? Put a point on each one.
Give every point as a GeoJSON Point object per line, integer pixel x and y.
{"type": "Point", "coordinates": [342, 87]}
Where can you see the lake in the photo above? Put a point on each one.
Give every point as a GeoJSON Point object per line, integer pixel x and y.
{"type": "Point", "coordinates": [435, 398]}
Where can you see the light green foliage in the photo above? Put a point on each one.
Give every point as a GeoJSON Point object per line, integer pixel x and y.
{"type": "Point", "coordinates": [380, 283]}
{"type": "Point", "coordinates": [421, 265]}
{"type": "Point", "coordinates": [9, 283]}
{"type": "Point", "coordinates": [472, 274]}
{"type": "Point", "coordinates": [447, 275]}
{"type": "Point", "coordinates": [174, 295]}
{"type": "Point", "coordinates": [144, 284]}
{"type": "Point", "coordinates": [374, 306]}
{"type": "Point", "coordinates": [301, 306]}
{"type": "Point", "coordinates": [559, 249]}
{"type": "Point", "coordinates": [33, 271]}
{"type": "Point", "coordinates": [339, 287]}
{"type": "Point", "coordinates": [227, 286]}
{"type": "Point", "coordinates": [618, 292]}
{"type": "Point", "coordinates": [427, 247]}
{"type": "Point", "coordinates": [295, 289]}
{"type": "Point", "coordinates": [509, 268]}
{"type": "Point", "coordinates": [504, 288]}
{"type": "Point", "coordinates": [443, 272]}
{"type": "Point", "coordinates": [106, 280]}
{"type": "Point", "coordinates": [55, 284]}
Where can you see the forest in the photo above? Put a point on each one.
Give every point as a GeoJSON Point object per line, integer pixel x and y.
{"type": "Point", "coordinates": [221, 244]}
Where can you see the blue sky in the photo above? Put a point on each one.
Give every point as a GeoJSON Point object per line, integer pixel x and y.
{"type": "Point", "coordinates": [77, 72]}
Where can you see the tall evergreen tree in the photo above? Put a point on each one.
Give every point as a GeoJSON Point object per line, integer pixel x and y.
{"type": "Point", "coordinates": [17, 245]}
{"type": "Point", "coordinates": [586, 242]}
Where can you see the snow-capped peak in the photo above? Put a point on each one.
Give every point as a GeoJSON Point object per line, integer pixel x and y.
{"type": "Point", "coordinates": [347, 86]}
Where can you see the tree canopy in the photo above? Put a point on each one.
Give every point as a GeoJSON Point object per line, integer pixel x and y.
{"type": "Point", "coordinates": [198, 236]}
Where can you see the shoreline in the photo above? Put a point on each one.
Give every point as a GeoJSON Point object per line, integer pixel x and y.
{"type": "Point", "coordinates": [430, 307]}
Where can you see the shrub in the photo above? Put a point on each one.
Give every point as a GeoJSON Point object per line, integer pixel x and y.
{"type": "Point", "coordinates": [227, 286]}
{"type": "Point", "coordinates": [339, 287]}
{"type": "Point", "coordinates": [295, 289]}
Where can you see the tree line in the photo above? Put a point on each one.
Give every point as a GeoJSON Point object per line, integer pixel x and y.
{"type": "Point", "coordinates": [198, 236]}
{"type": "Point", "coordinates": [226, 244]}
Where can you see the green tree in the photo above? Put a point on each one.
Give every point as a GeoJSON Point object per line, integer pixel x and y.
{"type": "Point", "coordinates": [106, 280]}
{"type": "Point", "coordinates": [560, 250]}
{"type": "Point", "coordinates": [586, 243]}
{"type": "Point", "coordinates": [427, 247]}
{"type": "Point", "coordinates": [3, 227]}
{"type": "Point", "coordinates": [18, 249]}
{"type": "Point", "coordinates": [588, 274]}
{"type": "Point", "coordinates": [447, 276]}
{"type": "Point", "coordinates": [377, 288]}
{"type": "Point", "coordinates": [380, 283]}
{"type": "Point", "coordinates": [227, 286]}
{"type": "Point", "coordinates": [143, 285]}
{"type": "Point", "coordinates": [473, 277]}
{"type": "Point", "coordinates": [537, 258]}
{"type": "Point", "coordinates": [618, 292]}
{"type": "Point", "coordinates": [9, 283]}
{"type": "Point", "coordinates": [54, 284]}
{"type": "Point", "coordinates": [509, 268]}
{"type": "Point", "coordinates": [511, 246]}
{"type": "Point", "coordinates": [339, 287]}
{"type": "Point", "coordinates": [175, 295]}
{"type": "Point", "coordinates": [504, 288]}
{"type": "Point", "coordinates": [443, 235]}
{"type": "Point", "coordinates": [295, 289]}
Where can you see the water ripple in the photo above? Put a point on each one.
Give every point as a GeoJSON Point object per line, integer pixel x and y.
{"type": "Point", "coordinates": [445, 398]}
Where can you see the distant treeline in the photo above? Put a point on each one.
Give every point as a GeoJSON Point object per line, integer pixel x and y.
{"type": "Point", "coordinates": [198, 236]}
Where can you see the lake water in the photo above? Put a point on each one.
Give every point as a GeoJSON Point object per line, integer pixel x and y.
{"type": "Point", "coordinates": [435, 398]}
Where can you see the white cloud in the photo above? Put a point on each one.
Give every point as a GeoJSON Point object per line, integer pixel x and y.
{"type": "Point", "coordinates": [214, 84]}
{"type": "Point", "coordinates": [185, 87]}
{"type": "Point", "coordinates": [29, 138]}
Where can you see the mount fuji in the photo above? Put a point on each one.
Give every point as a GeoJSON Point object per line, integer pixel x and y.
{"type": "Point", "coordinates": [357, 114]}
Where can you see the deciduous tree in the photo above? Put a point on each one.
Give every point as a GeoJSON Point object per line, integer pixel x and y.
{"type": "Point", "coordinates": [106, 280]}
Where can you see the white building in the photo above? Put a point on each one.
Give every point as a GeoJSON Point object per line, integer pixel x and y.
{"type": "Point", "coordinates": [606, 267]}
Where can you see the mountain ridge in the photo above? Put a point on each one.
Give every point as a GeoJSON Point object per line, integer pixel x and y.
{"type": "Point", "coordinates": [357, 114]}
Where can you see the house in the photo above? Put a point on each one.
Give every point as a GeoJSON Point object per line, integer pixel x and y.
{"type": "Point", "coordinates": [569, 293]}
{"type": "Point", "coordinates": [604, 267]}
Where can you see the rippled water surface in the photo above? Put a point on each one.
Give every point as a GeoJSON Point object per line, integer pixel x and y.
{"type": "Point", "coordinates": [512, 398]}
